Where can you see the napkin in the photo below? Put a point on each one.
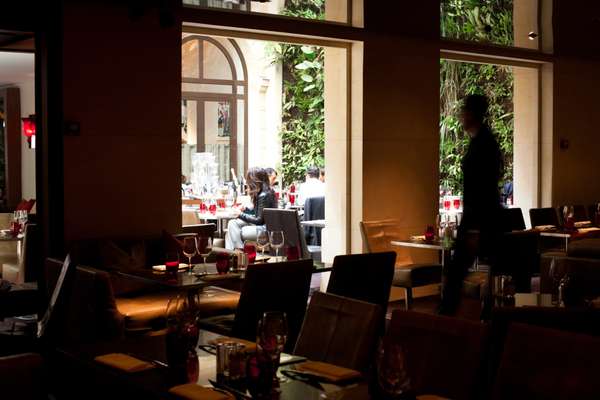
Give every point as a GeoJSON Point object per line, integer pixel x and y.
{"type": "Point", "coordinates": [331, 372]}
{"type": "Point", "coordinates": [124, 362]}
{"type": "Point", "coordinates": [250, 346]}
{"type": "Point", "coordinates": [191, 391]}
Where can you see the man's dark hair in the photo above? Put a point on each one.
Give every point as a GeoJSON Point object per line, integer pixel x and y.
{"type": "Point", "coordinates": [476, 104]}
{"type": "Point", "coordinates": [313, 172]}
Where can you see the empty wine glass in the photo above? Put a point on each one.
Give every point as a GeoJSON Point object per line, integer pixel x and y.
{"type": "Point", "coordinates": [204, 247]}
{"type": "Point", "coordinates": [276, 240]}
{"type": "Point", "coordinates": [556, 274]}
{"type": "Point", "coordinates": [262, 240]}
{"type": "Point", "coordinates": [272, 335]}
{"type": "Point", "coordinates": [190, 250]}
{"type": "Point", "coordinates": [392, 377]}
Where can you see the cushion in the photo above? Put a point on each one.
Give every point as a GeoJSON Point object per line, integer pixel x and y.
{"type": "Point", "coordinates": [413, 275]}
{"type": "Point", "coordinates": [222, 324]}
{"type": "Point", "coordinates": [588, 248]}
{"type": "Point", "coordinates": [149, 311]}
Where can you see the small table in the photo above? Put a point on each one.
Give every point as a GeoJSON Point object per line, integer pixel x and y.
{"type": "Point", "coordinates": [568, 235]}
{"type": "Point", "coordinates": [427, 245]}
{"type": "Point", "coordinates": [220, 216]}
{"type": "Point", "coordinates": [315, 223]}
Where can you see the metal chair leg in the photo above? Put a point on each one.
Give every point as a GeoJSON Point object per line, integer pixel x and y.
{"type": "Point", "coordinates": [409, 297]}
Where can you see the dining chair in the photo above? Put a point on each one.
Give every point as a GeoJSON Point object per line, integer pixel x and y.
{"type": "Point", "coordinates": [513, 218]}
{"type": "Point", "coordinates": [365, 277]}
{"type": "Point", "coordinates": [314, 209]}
{"type": "Point", "coordinates": [542, 363]}
{"type": "Point", "coordinates": [340, 331]}
{"type": "Point", "coordinates": [23, 377]}
{"type": "Point", "coordinates": [543, 216]}
{"type": "Point", "coordinates": [377, 237]}
{"type": "Point", "coordinates": [282, 286]}
{"type": "Point", "coordinates": [444, 356]}
{"type": "Point", "coordinates": [203, 230]}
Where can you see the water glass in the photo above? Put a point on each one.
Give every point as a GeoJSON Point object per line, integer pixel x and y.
{"type": "Point", "coordinates": [272, 332]}
{"type": "Point", "coordinates": [392, 380]}
{"type": "Point", "coordinates": [250, 251]}
{"type": "Point", "coordinates": [172, 261]}
{"type": "Point", "coordinates": [190, 249]}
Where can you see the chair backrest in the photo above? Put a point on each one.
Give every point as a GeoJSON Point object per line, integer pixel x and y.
{"type": "Point", "coordinates": [31, 259]}
{"type": "Point", "coordinates": [339, 330]}
{"type": "Point", "coordinates": [189, 217]}
{"type": "Point", "coordinates": [366, 277]}
{"type": "Point", "coordinates": [444, 356]}
{"type": "Point", "coordinates": [541, 363]}
{"type": "Point", "coordinates": [543, 216]}
{"type": "Point", "coordinates": [575, 320]}
{"type": "Point", "coordinates": [202, 230]}
{"type": "Point", "coordinates": [23, 377]}
{"type": "Point", "coordinates": [273, 287]}
{"type": "Point", "coordinates": [58, 276]}
{"type": "Point", "coordinates": [288, 222]}
{"type": "Point", "coordinates": [314, 209]}
{"type": "Point", "coordinates": [513, 218]}
{"type": "Point", "coordinates": [378, 235]}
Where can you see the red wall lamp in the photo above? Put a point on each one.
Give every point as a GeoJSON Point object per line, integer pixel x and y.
{"type": "Point", "coordinates": [29, 130]}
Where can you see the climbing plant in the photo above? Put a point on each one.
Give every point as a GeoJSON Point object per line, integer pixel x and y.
{"type": "Point", "coordinates": [475, 20]}
{"type": "Point", "coordinates": [303, 114]}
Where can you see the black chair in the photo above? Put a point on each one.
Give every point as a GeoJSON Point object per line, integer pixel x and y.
{"type": "Point", "coordinates": [366, 277]}
{"type": "Point", "coordinates": [543, 216]}
{"type": "Point", "coordinates": [314, 209]}
{"type": "Point", "coordinates": [340, 331]}
{"type": "Point", "coordinates": [513, 218]}
{"type": "Point", "coordinates": [203, 230]}
{"type": "Point", "coordinates": [268, 287]}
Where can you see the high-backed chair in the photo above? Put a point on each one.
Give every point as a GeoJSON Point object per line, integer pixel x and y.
{"type": "Point", "coordinates": [314, 209]}
{"type": "Point", "coordinates": [377, 237]}
{"type": "Point", "coordinates": [268, 287]}
{"type": "Point", "coordinates": [366, 277]}
{"type": "Point", "coordinates": [543, 216]}
{"type": "Point", "coordinates": [541, 363]}
{"type": "Point", "coordinates": [23, 377]}
{"type": "Point", "coordinates": [513, 218]}
{"type": "Point", "coordinates": [202, 230]}
{"type": "Point", "coordinates": [289, 222]}
{"type": "Point", "coordinates": [339, 330]}
{"type": "Point", "coordinates": [443, 356]}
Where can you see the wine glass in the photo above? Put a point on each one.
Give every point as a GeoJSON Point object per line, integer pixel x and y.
{"type": "Point", "coordinates": [556, 274]}
{"type": "Point", "coordinates": [262, 240]}
{"type": "Point", "coordinates": [392, 377]}
{"type": "Point", "coordinates": [204, 247]}
{"type": "Point", "coordinates": [272, 335]}
{"type": "Point", "coordinates": [229, 200]}
{"type": "Point", "coordinates": [277, 240]}
{"type": "Point", "coordinates": [190, 250]}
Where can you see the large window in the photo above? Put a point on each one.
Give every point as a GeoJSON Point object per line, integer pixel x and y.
{"type": "Point", "coordinates": [327, 10]}
{"type": "Point", "coordinates": [499, 22]}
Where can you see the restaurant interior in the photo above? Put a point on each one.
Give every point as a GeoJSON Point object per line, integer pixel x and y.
{"type": "Point", "coordinates": [300, 199]}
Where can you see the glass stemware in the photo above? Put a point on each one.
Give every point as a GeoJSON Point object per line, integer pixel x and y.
{"type": "Point", "coordinates": [392, 378]}
{"type": "Point", "coordinates": [204, 247]}
{"type": "Point", "coordinates": [262, 240]}
{"type": "Point", "coordinates": [556, 274]}
{"type": "Point", "coordinates": [272, 335]}
{"type": "Point", "coordinates": [276, 240]}
{"type": "Point", "coordinates": [190, 250]}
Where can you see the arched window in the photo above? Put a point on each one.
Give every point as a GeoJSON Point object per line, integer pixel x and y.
{"type": "Point", "coordinates": [214, 102]}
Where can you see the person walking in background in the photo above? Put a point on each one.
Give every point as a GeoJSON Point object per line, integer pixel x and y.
{"type": "Point", "coordinates": [482, 167]}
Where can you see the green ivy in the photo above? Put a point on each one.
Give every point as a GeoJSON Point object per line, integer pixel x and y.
{"type": "Point", "coordinates": [303, 119]}
{"type": "Point", "coordinates": [475, 20]}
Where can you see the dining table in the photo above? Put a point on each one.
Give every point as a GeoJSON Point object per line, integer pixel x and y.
{"type": "Point", "coordinates": [568, 235]}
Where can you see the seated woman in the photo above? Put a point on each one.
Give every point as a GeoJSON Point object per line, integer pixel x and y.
{"type": "Point", "coordinates": [244, 226]}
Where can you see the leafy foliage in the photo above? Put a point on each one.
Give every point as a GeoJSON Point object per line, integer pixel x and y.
{"type": "Point", "coordinates": [303, 120]}
{"type": "Point", "coordinates": [480, 20]}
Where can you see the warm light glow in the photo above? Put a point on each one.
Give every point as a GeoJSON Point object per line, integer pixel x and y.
{"type": "Point", "coordinates": [29, 127]}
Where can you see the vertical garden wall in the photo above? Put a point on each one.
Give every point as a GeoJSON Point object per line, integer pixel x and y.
{"type": "Point", "coordinates": [487, 21]}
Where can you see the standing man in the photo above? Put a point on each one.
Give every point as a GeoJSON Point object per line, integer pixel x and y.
{"type": "Point", "coordinates": [482, 168]}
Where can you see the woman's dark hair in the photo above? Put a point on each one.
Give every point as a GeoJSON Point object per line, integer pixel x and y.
{"type": "Point", "coordinates": [257, 180]}
{"type": "Point", "coordinates": [270, 171]}
{"type": "Point", "coordinates": [476, 104]}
